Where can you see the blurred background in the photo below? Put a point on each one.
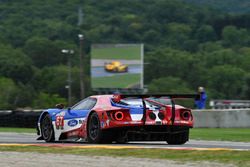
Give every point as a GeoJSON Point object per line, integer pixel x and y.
{"type": "Point", "coordinates": [186, 44]}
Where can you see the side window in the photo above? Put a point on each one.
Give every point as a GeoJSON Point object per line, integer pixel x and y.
{"type": "Point", "coordinates": [91, 103]}
{"type": "Point", "coordinates": [86, 104]}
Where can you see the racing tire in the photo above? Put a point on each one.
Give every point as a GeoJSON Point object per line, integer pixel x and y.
{"type": "Point", "coordinates": [178, 138]}
{"type": "Point", "coordinates": [94, 132]}
{"type": "Point", "coordinates": [47, 130]}
{"type": "Point", "coordinates": [126, 69]}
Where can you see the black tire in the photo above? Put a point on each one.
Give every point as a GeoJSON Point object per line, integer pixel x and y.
{"type": "Point", "coordinates": [94, 129]}
{"type": "Point", "coordinates": [178, 138]}
{"type": "Point", "coordinates": [47, 129]}
{"type": "Point", "coordinates": [126, 69]}
{"type": "Point", "coordinates": [95, 133]}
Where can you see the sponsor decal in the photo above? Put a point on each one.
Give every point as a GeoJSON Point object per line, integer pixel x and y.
{"type": "Point", "coordinates": [182, 122]}
{"type": "Point", "coordinates": [137, 122]}
{"type": "Point", "coordinates": [59, 122]}
{"type": "Point", "coordinates": [72, 122]}
{"type": "Point", "coordinates": [102, 124]}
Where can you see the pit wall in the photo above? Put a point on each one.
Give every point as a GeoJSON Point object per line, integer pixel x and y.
{"type": "Point", "coordinates": [223, 118]}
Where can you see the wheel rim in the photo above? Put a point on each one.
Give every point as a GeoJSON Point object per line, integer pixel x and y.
{"type": "Point", "coordinates": [94, 127]}
{"type": "Point", "coordinates": [46, 128]}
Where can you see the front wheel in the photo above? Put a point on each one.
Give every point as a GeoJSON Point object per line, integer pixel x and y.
{"type": "Point", "coordinates": [178, 138]}
{"type": "Point", "coordinates": [47, 129]}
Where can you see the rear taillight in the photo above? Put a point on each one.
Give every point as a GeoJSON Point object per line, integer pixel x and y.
{"type": "Point", "coordinates": [186, 114]}
{"type": "Point", "coordinates": [118, 115]}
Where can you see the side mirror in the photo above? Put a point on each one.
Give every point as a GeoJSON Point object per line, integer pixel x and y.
{"type": "Point", "coordinates": [60, 106]}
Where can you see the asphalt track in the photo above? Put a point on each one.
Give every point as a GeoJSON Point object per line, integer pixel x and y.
{"type": "Point", "coordinates": [30, 139]}
{"type": "Point", "coordinates": [100, 72]}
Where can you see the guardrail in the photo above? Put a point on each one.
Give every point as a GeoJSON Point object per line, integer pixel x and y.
{"type": "Point", "coordinates": [229, 104]}
{"type": "Point", "coordinates": [24, 119]}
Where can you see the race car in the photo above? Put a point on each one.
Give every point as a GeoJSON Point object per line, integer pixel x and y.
{"type": "Point", "coordinates": [115, 66]}
{"type": "Point", "coordinates": [118, 118]}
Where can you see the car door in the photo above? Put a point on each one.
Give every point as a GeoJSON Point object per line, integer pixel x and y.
{"type": "Point", "coordinates": [78, 113]}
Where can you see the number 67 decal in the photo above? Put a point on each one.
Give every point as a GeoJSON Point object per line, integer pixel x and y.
{"type": "Point", "coordinates": [59, 122]}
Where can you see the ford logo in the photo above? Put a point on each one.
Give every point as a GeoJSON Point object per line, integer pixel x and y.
{"type": "Point", "coordinates": [72, 122]}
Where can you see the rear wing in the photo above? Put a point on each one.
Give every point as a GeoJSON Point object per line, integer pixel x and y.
{"type": "Point", "coordinates": [118, 97]}
{"type": "Point", "coordinates": [171, 96]}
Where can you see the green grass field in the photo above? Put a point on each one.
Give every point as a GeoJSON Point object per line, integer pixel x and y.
{"type": "Point", "coordinates": [125, 53]}
{"type": "Point", "coordinates": [239, 158]}
{"type": "Point", "coordinates": [116, 81]}
{"type": "Point", "coordinates": [223, 134]}
{"type": "Point", "coordinates": [17, 130]}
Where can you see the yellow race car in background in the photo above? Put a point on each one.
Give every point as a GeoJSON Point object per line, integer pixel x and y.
{"type": "Point", "coordinates": [115, 66]}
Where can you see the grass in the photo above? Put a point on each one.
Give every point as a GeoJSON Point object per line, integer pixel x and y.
{"type": "Point", "coordinates": [239, 158]}
{"type": "Point", "coordinates": [116, 81]}
{"type": "Point", "coordinates": [111, 52]}
{"type": "Point", "coordinates": [221, 134]}
{"type": "Point", "coordinates": [17, 130]}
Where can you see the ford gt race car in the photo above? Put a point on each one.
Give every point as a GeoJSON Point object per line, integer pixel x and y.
{"type": "Point", "coordinates": [118, 118]}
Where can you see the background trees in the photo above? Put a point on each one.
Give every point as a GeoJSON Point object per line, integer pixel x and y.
{"type": "Point", "coordinates": [186, 46]}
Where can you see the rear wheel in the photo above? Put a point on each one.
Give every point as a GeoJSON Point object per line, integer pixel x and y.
{"type": "Point", "coordinates": [178, 138]}
{"type": "Point", "coordinates": [126, 69]}
{"type": "Point", "coordinates": [47, 129]}
{"type": "Point", "coordinates": [95, 133]}
{"type": "Point", "coordinates": [94, 130]}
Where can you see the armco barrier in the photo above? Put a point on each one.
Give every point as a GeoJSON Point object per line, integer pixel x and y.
{"type": "Point", "coordinates": [27, 119]}
{"type": "Point", "coordinates": [234, 118]}
{"type": "Point", "coordinates": [222, 118]}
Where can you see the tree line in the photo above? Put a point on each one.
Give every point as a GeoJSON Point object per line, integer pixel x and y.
{"type": "Point", "coordinates": [186, 46]}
